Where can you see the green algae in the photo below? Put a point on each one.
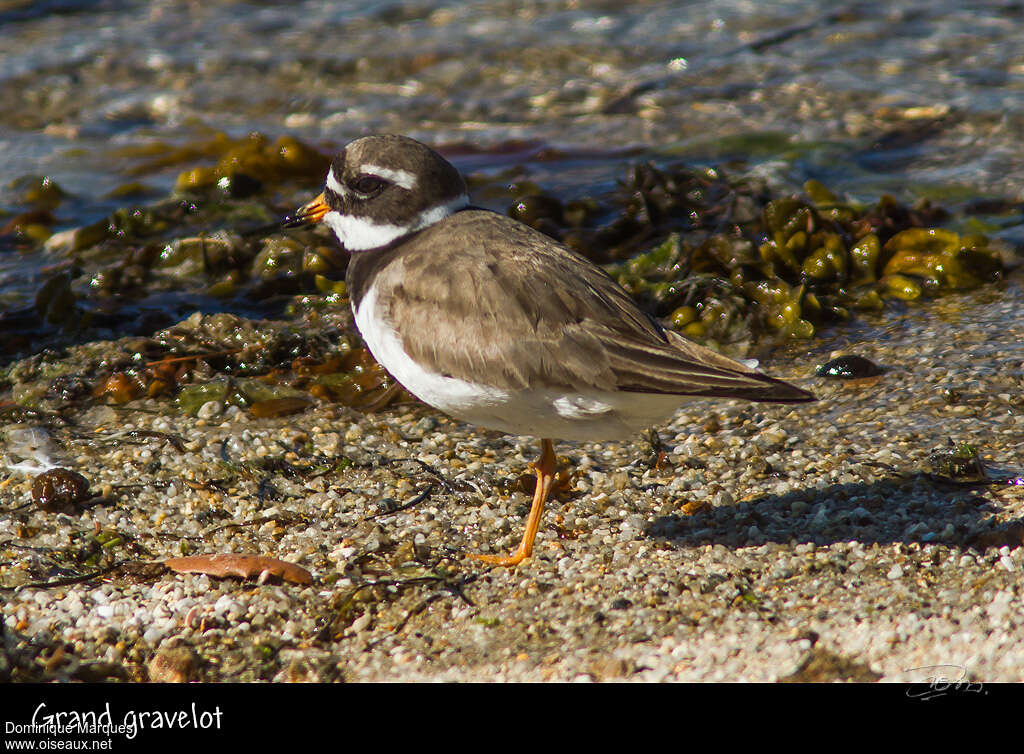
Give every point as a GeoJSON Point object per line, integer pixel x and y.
{"type": "Point", "coordinates": [805, 261]}
{"type": "Point", "coordinates": [240, 392]}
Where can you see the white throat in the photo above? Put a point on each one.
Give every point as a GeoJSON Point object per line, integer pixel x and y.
{"type": "Point", "coordinates": [362, 233]}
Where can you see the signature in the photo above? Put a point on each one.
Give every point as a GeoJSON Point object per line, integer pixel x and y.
{"type": "Point", "coordinates": [939, 681]}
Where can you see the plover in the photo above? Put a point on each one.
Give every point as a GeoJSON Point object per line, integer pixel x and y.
{"type": "Point", "coordinates": [498, 325]}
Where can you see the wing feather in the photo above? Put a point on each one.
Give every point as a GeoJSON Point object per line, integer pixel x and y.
{"type": "Point", "coordinates": [528, 312]}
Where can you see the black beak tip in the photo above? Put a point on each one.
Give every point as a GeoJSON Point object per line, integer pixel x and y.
{"type": "Point", "coordinates": [294, 220]}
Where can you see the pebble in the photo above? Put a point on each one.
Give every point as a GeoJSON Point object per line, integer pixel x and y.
{"type": "Point", "coordinates": [210, 410]}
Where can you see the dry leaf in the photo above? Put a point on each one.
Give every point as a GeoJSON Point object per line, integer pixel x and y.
{"type": "Point", "coordinates": [243, 566]}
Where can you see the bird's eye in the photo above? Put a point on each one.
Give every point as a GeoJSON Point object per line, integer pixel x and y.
{"type": "Point", "coordinates": [368, 185]}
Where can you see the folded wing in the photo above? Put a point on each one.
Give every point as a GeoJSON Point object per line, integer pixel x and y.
{"type": "Point", "coordinates": [530, 312]}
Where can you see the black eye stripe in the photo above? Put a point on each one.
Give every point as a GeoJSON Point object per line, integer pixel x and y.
{"type": "Point", "coordinates": [332, 197]}
{"type": "Point", "coordinates": [368, 184]}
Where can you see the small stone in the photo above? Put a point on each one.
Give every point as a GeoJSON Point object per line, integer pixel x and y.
{"type": "Point", "coordinates": [362, 622]}
{"type": "Point", "coordinates": [426, 424]}
{"type": "Point", "coordinates": [849, 367]}
{"type": "Point", "coordinates": [173, 665]}
{"type": "Point", "coordinates": [210, 410]}
{"type": "Point", "coordinates": [59, 489]}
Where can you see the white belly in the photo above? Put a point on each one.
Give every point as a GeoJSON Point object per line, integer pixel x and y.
{"type": "Point", "coordinates": [542, 412]}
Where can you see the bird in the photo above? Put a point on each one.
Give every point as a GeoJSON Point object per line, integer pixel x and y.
{"type": "Point", "coordinates": [498, 325]}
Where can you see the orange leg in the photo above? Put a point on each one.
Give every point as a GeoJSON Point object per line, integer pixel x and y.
{"type": "Point", "coordinates": [545, 477]}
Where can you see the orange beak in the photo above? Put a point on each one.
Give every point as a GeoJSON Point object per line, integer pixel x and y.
{"type": "Point", "coordinates": [307, 214]}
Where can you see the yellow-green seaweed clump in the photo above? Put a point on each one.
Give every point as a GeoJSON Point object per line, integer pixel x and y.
{"type": "Point", "coordinates": [805, 261]}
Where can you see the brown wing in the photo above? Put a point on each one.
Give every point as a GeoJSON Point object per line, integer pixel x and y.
{"type": "Point", "coordinates": [482, 297]}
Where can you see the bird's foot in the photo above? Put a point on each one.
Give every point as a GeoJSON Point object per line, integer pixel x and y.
{"type": "Point", "coordinates": [502, 560]}
{"type": "Point", "coordinates": [545, 476]}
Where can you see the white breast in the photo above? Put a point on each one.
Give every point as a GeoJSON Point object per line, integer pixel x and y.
{"type": "Point", "coordinates": [588, 415]}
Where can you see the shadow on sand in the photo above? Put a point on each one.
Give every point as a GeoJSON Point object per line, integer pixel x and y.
{"type": "Point", "coordinates": [908, 509]}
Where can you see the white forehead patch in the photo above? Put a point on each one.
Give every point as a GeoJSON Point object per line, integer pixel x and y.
{"type": "Point", "coordinates": [334, 185]}
{"type": "Point", "coordinates": [397, 176]}
{"type": "Point", "coordinates": [358, 233]}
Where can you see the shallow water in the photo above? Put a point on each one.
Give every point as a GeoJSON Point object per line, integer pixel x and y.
{"type": "Point", "coordinates": [915, 99]}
